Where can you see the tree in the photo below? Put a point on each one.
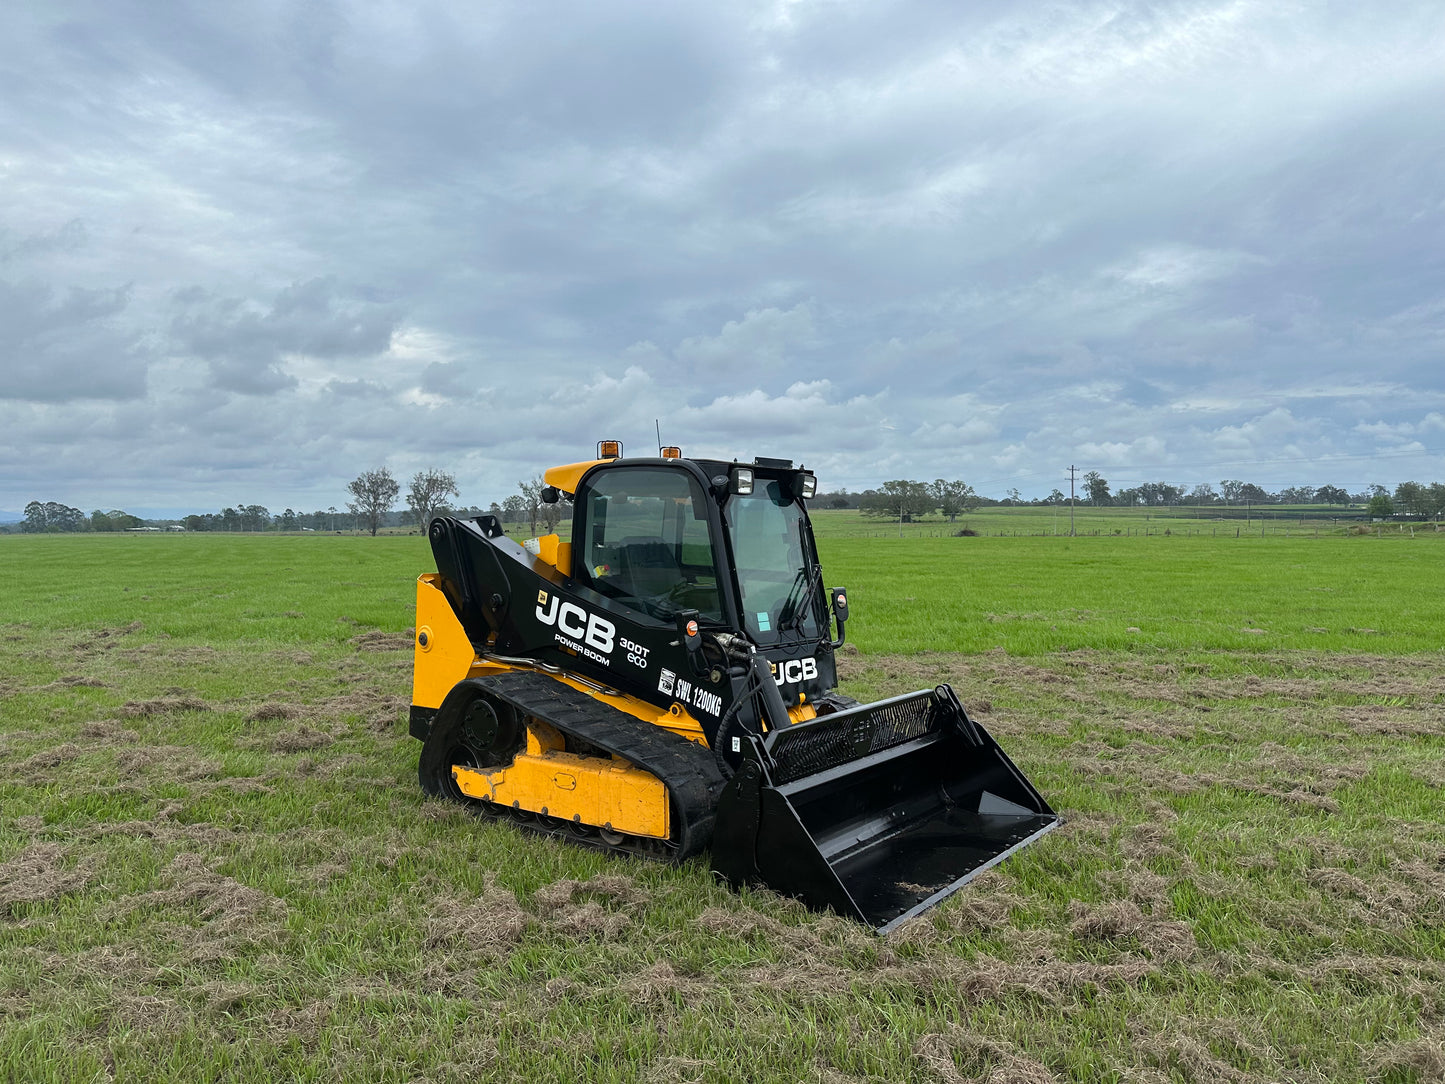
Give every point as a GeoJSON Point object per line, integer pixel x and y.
{"type": "Point", "coordinates": [954, 497]}
{"type": "Point", "coordinates": [1097, 487]}
{"type": "Point", "coordinates": [1331, 495]}
{"type": "Point", "coordinates": [1380, 506]}
{"type": "Point", "coordinates": [532, 501]}
{"type": "Point", "coordinates": [427, 494]}
{"type": "Point", "coordinates": [1413, 499]}
{"type": "Point", "coordinates": [1248, 491]}
{"type": "Point", "coordinates": [1230, 487]}
{"type": "Point", "coordinates": [900, 498]}
{"type": "Point", "coordinates": [513, 509]}
{"type": "Point", "coordinates": [52, 516]}
{"type": "Point", "coordinates": [254, 517]}
{"type": "Point", "coordinates": [288, 520]}
{"type": "Point", "coordinates": [1203, 494]}
{"type": "Point", "coordinates": [373, 493]}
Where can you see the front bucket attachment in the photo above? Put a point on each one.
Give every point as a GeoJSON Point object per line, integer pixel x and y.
{"type": "Point", "coordinates": [878, 812]}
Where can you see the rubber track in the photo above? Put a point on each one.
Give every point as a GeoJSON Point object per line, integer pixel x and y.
{"type": "Point", "coordinates": [686, 768]}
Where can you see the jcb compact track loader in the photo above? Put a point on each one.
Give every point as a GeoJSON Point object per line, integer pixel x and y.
{"type": "Point", "coordinates": [664, 683]}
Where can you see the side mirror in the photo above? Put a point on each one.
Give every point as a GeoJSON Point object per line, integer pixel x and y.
{"type": "Point", "coordinates": [840, 612]}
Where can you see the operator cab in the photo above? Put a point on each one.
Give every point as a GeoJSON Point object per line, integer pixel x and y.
{"type": "Point", "coordinates": [730, 540]}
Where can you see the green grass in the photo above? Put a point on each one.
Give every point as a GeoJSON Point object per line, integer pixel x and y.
{"type": "Point", "coordinates": [1216, 521]}
{"type": "Point", "coordinates": [215, 863]}
{"type": "Point", "coordinates": [1032, 595]}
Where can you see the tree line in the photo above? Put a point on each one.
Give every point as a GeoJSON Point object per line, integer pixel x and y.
{"type": "Point", "coordinates": [908, 499]}
{"type": "Point", "coordinates": [53, 517]}
{"type": "Point", "coordinates": [374, 496]}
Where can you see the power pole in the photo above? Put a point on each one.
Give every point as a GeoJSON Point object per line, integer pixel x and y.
{"type": "Point", "coordinates": [1073, 470]}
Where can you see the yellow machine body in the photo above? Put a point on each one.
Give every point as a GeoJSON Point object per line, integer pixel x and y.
{"type": "Point", "coordinates": [601, 791]}
{"type": "Point", "coordinates": [545, 779]}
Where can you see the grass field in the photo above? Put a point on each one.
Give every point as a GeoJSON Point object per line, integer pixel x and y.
{"type": "Point", "coordinates": [215, 863]}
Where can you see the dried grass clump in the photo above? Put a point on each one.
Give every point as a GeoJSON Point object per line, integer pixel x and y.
{"type": "Point", "coordinates": [489, 924]}
{"type": "Point", "coordinates": [676, 1069]}
{"type": "Point", "coordinates": [660, 986]}
{"type": "Point", "coordinates": [1121, 921]}
{"type": "Point", "coordinates": [164, 705]}
{"type": "Point", "coordinates": [42, 872]}
{"type": "Point", "coordinates": [590, 919]}
{"type": "Point", "coordinates": [108, 732]}
{"type": "Point", "coordinates": [49, 758]}
{"type": "Point", "coordinates": [270, 711]}
{"type": "Point", "coordinates": [176, 763]}
{"type": "Point", "coordinates": [380, 710]}
{"type": "Point", "coordinates": [231, 914]}
{"type": "Point", "coordinates": [377, 640]}
{"type": "Point", "coordinates": [1177, 1052]}
{"type": "Point", "coordinates": [1422, 1059]}
{"type": "Point", "coordinates": [616, 887]}
{"type": "Point", "coordinates": [986, 1061]}
{"type": "Point", "coordinates": [72, 681]}
{"type": "Point", "coordinates": [301, 740]}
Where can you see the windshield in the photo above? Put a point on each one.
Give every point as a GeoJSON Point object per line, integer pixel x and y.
{"type": "Point", "coordinates": [777, 592]}
{"type": "Point", "coordinates": [644, 542]}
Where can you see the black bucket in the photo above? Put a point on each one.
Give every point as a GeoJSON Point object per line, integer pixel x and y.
{"type": "Point", "coordinates": [878, 812]}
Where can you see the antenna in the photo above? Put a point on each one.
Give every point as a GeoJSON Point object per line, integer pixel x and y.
{"type": "Point", "coordinates": [658, 422]}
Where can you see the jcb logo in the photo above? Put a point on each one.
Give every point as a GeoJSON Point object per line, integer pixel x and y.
{"type": "Point", "coordinates": [795, 670]}
{"type": "Point", "coordinates": [575, 622]}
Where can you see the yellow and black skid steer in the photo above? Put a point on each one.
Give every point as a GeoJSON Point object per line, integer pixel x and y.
{"type": "Point", "coordinates": [664, 683]}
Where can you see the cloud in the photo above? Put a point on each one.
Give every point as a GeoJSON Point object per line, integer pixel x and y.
{"type": "Point", "coordinates": [57, 349]}
{"type": "Point", "coordinates": [758, 341]}
{"type": "Point", "coordinates": [246, 345]}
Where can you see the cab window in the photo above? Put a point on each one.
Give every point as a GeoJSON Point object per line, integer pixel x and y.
{"type": "Point", "coordinates": [643, 540]}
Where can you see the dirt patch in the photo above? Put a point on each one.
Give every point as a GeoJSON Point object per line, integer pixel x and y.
{"type": "Point", "coordinates": [42, 871]}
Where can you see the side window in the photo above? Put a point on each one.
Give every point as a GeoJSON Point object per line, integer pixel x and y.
{"type": "Point", "coordinates": [644, 542]}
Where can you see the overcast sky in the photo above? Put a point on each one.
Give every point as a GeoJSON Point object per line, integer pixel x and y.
{"type": "Point", "coordinates": [248, 250]}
